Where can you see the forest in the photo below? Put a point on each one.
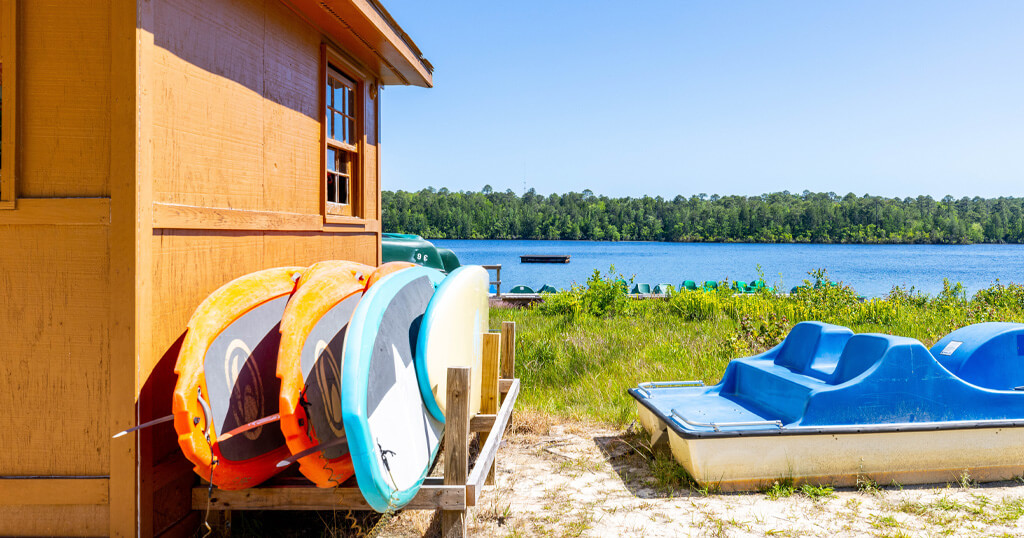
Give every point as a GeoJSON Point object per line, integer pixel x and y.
{"type": "Point", "coordinates": [778, 217]}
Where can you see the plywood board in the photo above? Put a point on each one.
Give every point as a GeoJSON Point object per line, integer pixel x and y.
{"type": "Point", "coordinates": [53, 520]}
{"type": "Point", "coordinates": [65, 60]}
{"type": "Point", "coordinates": [54, 379]}
{"type": "Point", "coordinates": [208, 118]}
{"type": "Point", "coordinates": [291, 112]}
{"type": "Point", "coordinates": [248, 73]}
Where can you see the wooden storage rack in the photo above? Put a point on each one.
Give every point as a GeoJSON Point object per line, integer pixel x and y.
{"type": "Point", "coordinates": [460, 487]}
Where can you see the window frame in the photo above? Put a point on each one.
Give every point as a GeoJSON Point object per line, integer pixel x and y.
{"type": "Point", "coordinates": [8, 70]}
{"type": "Point", "coordinates": [331, 60]}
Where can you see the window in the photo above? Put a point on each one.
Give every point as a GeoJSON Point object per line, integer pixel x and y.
{"type": "Point", "coordinates": [342, 141]}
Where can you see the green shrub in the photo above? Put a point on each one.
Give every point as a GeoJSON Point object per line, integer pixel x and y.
{"type": "Point", "coordinates": [696, 305]}
{"type": "Point", "coordinates": [581, 349]}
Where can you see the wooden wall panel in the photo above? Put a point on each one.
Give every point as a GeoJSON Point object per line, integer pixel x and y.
{"type": "Point", "coordinates": [208, 115]}
{"type": "Point", "coordinates": [371, 178]}
{"type": "Point", "coordinates": [236, 109]}
{"type": "Point", "coordinates": [236, 102]}
{"type": "Point", "coordinates": [64, 102]}
{"type": "Point", "coordinates": [291, 112]}
{"type": "Point", "coordinates": [189, 265]}
{"type": "Point", "coordinates": [54, 379]}
{"type": "Point", "coordinates": [311, 247]}
{"type": "Point", "coordinates": [54, 520]}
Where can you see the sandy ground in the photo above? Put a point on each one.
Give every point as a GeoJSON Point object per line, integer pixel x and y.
{"type": "Point", "coordinates": [574, 479]}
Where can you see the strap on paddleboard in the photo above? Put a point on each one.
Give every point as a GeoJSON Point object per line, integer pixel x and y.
{"type": "Point", "coordinates": [153, 422]}
{"type": "Point", "coordinates": [249, 426]}
{"type": "Point", "coordinates": [318, 448]}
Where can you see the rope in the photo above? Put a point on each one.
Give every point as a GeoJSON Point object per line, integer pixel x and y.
{"type": "Point", "coordinates": [209, 497]}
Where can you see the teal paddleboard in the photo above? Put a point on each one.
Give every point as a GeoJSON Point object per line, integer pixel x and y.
{"type": "Point", "coordinates": [392, 436]}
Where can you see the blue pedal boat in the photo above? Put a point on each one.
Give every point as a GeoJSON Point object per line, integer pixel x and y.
{"type": "Point", "coordinates": [827, 406]}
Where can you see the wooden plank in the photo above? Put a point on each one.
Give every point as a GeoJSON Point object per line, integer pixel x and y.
{"type": "Point", "coordinates": [208, 103]}
{"type": "Point", "coordinates": [64, 116]}
{"type": "Point", "coordinates": [340, 222]}
{"type": "Point", "coordinates": [59, 212]}
{"type": "Point", "coordinates": [489, 386]}
{"type": "Point", "coordinates": [481, 423]}
{"type": "Point", "coordinates": [291, 91]}
{"type": "Point", "coordinates": [130, 159]}
{"type": "Point", "coordinates": [354, 24]}
{"type": "Point", "coordinates": [456, 446]}
{"type": "Point", "coordinates": [185, 217]}
{"type": "Point", "coordinates": [54, 376]}
{"type": "Point", "coordinates": [429, 497]}
{"type": "Point", "coordinates": [9, 57]}
{"type": "Point", "coordinates": [504, 385]}
{"type": "Point", "coordinates": [53, 491]}
{"type": "Point", "coordinates": [508, 350]}
{"type": "Point", "coordinates": [183, 527]}
{"type": "Point", "coordinates": [54, 520]}
{"type": "Point", "coordinates": [170, 471]}
{"type": "Point", "coordinates": [475, 482]}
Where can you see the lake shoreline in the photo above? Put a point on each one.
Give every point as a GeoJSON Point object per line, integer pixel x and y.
{"type": "Point", "coordinates": [872, 270]}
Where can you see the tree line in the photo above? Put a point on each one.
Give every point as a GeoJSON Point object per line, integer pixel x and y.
{"type": "Point", "coordinates": [778, 217]}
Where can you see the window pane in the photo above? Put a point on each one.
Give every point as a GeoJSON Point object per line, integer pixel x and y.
{"type": "Point", "coordinates": [339, 95]}
{"type": "Point", "coordinates": [332, 159]}
{"type": "Point", "coordinates": [344, 163]}
{"type": "Point", "coordinates": [343, 190]}
{"type": "Point", "coordinates": [329, 92]}
{"type": "Point", "coordinates": [351, 125]}
{"type": "Point", "coordinates": [339, 127]}
{"type": "Point", "coordinates": [332, 188]}
{"type": "Point", "coordinates": [350, 105]}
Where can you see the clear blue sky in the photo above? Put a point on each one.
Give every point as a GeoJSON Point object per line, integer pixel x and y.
{"type": "Point", "coordinates": [728, 97]}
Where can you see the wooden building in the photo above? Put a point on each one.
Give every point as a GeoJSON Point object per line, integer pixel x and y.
{"type": "Point", "coordinates": [152, 150]}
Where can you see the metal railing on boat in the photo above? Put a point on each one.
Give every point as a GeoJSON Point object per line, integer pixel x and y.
{"type": "Point", "coordinates": [678, 417]}
{"type": "Point", "coordinates": [648, 386]}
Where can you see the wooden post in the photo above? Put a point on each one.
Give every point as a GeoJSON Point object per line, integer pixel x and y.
{"type": "Point", "coordinates": [489, 386]}
{"type": "Point", "coordinates": [456, 446]}
{"type": "Point", "coordinates": [508, 350]}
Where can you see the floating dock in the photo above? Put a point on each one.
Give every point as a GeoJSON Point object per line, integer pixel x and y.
{"type": "Point", "coordinates": [544, 258]}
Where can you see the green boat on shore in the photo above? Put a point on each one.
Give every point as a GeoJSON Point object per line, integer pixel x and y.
{"type": "Point", "coordinates": [414, 249]}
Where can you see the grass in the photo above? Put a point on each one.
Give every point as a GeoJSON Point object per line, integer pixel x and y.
{"type": "Point", "coordinates": [780, 489]}
{"type": "Point", "coordinates": [580, 350]}
{"type": "Point", "coordinates": [818, 492]}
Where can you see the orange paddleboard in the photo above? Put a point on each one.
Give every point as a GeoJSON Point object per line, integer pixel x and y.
{"type": "Point", "coordinates": [226, 379]}
{"type": "Point", "coordinates": [313, 332]}
{"type": "Point", "coordinates": [387, 269]}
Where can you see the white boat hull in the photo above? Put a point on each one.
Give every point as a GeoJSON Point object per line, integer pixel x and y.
{"type": "Point", "coordinates": [751, 463]}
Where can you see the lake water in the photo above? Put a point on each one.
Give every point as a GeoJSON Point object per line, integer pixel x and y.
{"type": "Point", "coordinates": [871, 269]}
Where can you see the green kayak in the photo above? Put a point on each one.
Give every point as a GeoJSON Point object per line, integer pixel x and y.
{"type": "Point", "coordinates": [414, 249]}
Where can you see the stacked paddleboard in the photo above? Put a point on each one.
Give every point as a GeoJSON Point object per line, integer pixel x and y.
{"type": "Point", "coordinates": [360, 356]}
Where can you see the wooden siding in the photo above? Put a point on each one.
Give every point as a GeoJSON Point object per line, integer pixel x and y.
{"type": "Point", "coordinates": [9, 57]}
{"type": "Point", "coordinates": [54, 379]}
{"type": "Point", "coordinates": [247, 72]}
{"type": "Point", "coordinates": [190, 264]}
{"type": "Point", "coordinates": [54, 376]}
{"type": "Point", "coordinates": [54, 520]}
{"type": "Point", "coordinates": [64, 99]}
{"type": "Point", "coordinates": [166, 147]}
